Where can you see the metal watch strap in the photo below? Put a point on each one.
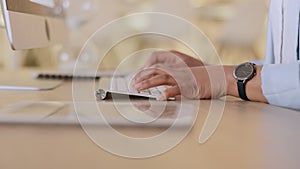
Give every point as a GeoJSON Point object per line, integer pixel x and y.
{"type": "Point", "coordinates": [242, 90]}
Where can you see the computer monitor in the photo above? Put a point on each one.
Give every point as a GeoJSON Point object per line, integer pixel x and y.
{"type": "Point", "coordinates": [34, 23]}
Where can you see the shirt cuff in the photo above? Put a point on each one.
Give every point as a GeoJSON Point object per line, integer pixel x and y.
{"type": "Point", "coordinates": [281, 84]}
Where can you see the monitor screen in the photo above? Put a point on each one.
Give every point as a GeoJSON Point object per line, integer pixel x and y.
{"type": "Point", "coordinates": [34, 23]}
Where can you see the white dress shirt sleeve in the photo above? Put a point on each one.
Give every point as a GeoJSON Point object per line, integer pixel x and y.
{"type": "Point", "coordinates": [281, 80]}
{"type": "Point", "coordinates": [281, 84]}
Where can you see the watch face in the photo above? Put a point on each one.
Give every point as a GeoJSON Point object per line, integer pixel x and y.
{"type": "Point", "coordinates": [244, 71]}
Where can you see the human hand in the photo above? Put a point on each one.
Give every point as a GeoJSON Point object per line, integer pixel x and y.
{"type": "Point", "coordinates": [172, 59]}
{"type": "Point", "coordinates": [195, 83]}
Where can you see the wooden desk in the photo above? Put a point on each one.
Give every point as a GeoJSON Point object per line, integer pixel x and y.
{"type": "Point", "coordinates": [250, 136]}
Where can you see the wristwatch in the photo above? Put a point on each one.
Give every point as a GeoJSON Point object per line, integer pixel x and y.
{"type": "Point", "coordinates": [243, 73]}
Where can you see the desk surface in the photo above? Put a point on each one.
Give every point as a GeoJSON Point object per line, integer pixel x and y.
{"type": "Point", "coordinates": [250, 135]}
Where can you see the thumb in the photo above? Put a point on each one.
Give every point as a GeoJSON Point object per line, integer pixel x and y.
{"type": "Point", "coordinates": [169, 92]}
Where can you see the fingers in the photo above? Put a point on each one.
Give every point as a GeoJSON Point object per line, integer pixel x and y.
{"type": "Point", "coordinates": [153, 77]}
{"type": "Point", "coordinates": [169, 92]}
{"type": "Point", "coordinates": [156, 77]}
{"type": "Point", "coordinates": [158, 80]}
{"type": "Point", "coordinates": [145, 74]}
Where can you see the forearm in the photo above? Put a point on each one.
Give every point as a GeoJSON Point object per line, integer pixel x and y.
{"type": "Point", "coordinates": [253, 86]}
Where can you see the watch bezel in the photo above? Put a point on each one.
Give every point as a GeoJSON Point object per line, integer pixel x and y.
{"type": "Point", "coordinates": [249, 76]}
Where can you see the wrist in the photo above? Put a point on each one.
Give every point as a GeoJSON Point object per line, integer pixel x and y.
{"type": "Point", "coordinates": [231, 86]}
{"type": "Point", "coordinates": [253, 86]}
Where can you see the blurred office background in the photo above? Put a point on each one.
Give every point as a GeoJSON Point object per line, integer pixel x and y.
{"type": "Point", "coordinates": [237, 28]}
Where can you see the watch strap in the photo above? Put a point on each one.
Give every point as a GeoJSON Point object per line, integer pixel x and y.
{"type": "Point", "coordinates": [242, 90]}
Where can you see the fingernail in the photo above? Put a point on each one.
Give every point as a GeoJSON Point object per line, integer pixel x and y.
{"type": "Point", "coordinates": [161, 97]}
{"type": "Point", "coordinates": [138, 86]}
